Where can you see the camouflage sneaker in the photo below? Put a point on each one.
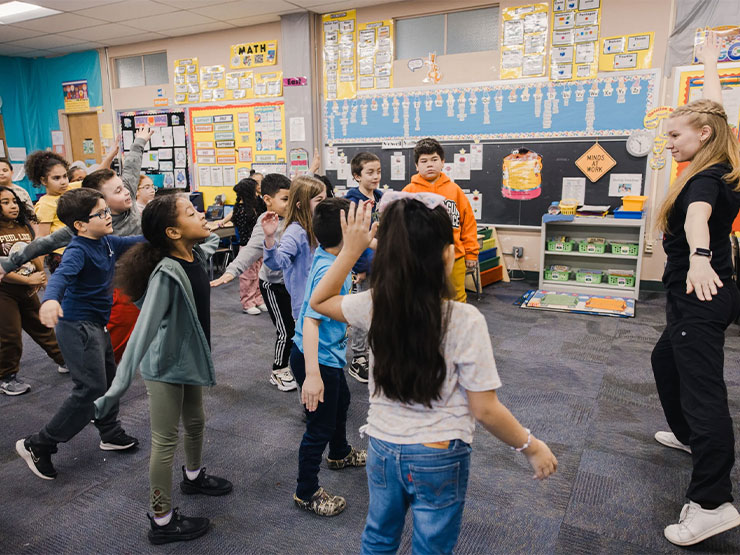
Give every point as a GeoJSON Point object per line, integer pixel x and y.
{"type": "Point", "coordinates": [322, 503]}
{"type": "Point", "coordinates": [354, 458]}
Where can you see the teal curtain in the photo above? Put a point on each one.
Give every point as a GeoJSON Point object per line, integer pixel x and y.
{"type": "Point", "coordinates": [31, 90]}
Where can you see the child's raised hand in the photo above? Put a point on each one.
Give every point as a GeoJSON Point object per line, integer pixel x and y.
{"type": "Point", "coordinates": [708, 51]}
{"type": "Point", "coordinates": [312, 392]}
{"type": "Point", "coordinates": [270, 224]}
{"type": "Point", "coordinates": [50, 312]}
{"type": "Point", "coordinates": [541, 458]}
{"type": "Point", "coordinates": [145, 133]}
{"type": "Point", "coordinates": [357, 233]}
{"type": "Point", "coordinates": [225, 278]}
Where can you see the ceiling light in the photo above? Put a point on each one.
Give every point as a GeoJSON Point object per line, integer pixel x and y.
{"type": "Point", "coordinates": [13, 12]}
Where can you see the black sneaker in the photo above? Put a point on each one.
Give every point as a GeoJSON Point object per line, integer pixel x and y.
{"type": "Point", "coordinates": [358, 369]}
{"type": "Point", "coordinates": [119, 442]}
{"type": "Point", "coordinates": [205, 484]}
{"type": "Point", "coordinates": [181, 528]}
{"type": "Point", "coordinates": [38, 462]}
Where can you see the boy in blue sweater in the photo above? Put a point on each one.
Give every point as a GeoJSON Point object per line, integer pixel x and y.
{"type": "Point", "coordinates": [365, 167]}
{"type": "Point", "coordinates": [317, 359]}
{"type": "Point", "coordinates": [78, 302]}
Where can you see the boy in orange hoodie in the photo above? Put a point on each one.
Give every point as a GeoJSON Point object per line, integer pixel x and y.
{"type": "Point", "coordinates": [429, 158]}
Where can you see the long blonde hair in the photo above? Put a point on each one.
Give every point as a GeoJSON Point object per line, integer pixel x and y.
{"type": "Point", "coordinates": [721, 147]}
{"type": "Point", "coordinates": [302, 190]}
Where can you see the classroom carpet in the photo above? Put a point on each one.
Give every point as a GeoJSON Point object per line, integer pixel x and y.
{"type": "Point", "coordinates": [582, 384]}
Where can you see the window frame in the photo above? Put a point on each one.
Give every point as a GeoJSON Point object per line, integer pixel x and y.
{"type": "Point", "coordinates": [141, 56]}
{"type": "Point", "coordinates": [445, 14]}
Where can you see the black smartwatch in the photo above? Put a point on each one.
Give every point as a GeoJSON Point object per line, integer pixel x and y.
{"type": "Point", "coordinates": [703, 252]}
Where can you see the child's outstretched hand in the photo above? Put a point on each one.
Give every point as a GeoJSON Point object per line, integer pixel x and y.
{"type": "Point", "coordinates": [270, 224]}
{"type": "Point", "coordinates": [225, 278]}
{"type": "Point", "coordinates": [50, 312]}
{"type": "Point", "coordinates": [312, 392]}
{"type": "Point", "coordinates": [357, 233]}
{"type": "Point", "coordinates": [541, 458]}
{"type": "Point", "coordinates": [145, 133]}
{"type": "Point", "coordinates": [708, 51]}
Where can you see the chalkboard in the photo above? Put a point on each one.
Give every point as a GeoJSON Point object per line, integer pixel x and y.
{"type": "Point", "coordinates": [558, 161]}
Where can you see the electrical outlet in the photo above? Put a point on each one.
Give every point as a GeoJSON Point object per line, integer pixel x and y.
{"type": "Point", "coordinates": [648, 247]}
{"type": "Point", "coordinates": [518, 252]}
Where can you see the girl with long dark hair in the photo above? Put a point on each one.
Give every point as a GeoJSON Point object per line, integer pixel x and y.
{"type": "Point", "coordinates": [432, 373]}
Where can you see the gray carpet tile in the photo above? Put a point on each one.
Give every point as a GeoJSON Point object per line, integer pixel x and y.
{"type": "Point", "coordinates": [582, 383]}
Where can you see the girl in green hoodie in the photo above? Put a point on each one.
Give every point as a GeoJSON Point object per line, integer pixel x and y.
{"type": "Point", "coordinates": [171, 345]}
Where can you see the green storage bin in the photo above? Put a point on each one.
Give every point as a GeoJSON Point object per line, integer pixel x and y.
{"type": "Point", "coordinates": [622, 281]}
{"type": "Point", "coordinates": [555, 275]}
{"type": "Point", "coordinates": [488, 264]}
{"type": "Point", "coordinates": [558, 245]}
{"type": "Point", "coordinates": [486, 232]}
{"type": "Point", "coordinates": [589, 276]}
{"type": "Point", "coordinates": [592, 247]}
{"type": "Point", "coordinates": [625, 248]}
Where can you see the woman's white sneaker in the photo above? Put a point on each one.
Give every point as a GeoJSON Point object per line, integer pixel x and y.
{"type": "Point", "coordinates": [669, 440]}
{"type": "Point", "coordinates": [696, 524]}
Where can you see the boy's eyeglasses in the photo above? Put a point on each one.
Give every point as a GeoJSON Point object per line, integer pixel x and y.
{"type": "Point", "coordinates": [103, 214]}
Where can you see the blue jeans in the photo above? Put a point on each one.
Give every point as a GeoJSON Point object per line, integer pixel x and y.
{"type": "Point", "coordinates": [327, 424]}
{"type": "Point", "coordinates": [432, 481]}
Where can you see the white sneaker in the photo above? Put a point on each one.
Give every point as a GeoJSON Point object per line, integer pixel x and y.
{"type": "Point", "coordinates": [283, 379]}
{"type": "Point", "coordinates": [262, 307]}
{"type": "Point", "coordinates": [63, 370]}
{"type": "Point", "coordinates": [253, 310]}
{"type": "Point", "coordinates": [696, 524]}
{"type": "Point", "coordinates": [669, 440]}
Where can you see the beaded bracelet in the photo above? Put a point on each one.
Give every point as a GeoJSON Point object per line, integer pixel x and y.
{"type": "Point", "coordinates": [527, 444]}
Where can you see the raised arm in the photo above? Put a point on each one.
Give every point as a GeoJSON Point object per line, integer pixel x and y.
{"type": "Point", "coordinates": [132, 162]}
{"type": "Point", "coordinates": [248, 255]}
{"type": "Point", "coordinates": [38, 247]}
{"type": "Point", "coordinates": [707, 53]}
{"type": "Point", "coordinates": [108, 160]}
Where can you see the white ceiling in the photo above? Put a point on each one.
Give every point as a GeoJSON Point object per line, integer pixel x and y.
{"type": "Point", "coordinates": [90, 24]}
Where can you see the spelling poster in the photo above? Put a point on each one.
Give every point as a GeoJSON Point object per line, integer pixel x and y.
{"type": "Point", "coordinates": [524, 41]}
{"type": "Point", "coordinates": [375, 55]}
{"type": "Point", "coordinates": [574, 51]}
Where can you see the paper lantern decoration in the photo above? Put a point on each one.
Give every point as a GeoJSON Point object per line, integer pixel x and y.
{"type": "Point", "coordinates": [522, 177]}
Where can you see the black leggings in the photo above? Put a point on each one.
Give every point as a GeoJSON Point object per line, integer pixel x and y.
{"type": "Point", "coordinates": [688, 364]}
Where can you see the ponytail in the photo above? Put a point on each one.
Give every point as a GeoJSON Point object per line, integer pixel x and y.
{"type": "Point", "coordinates": [409, 285]}
{"type": "Point", "coordinates": [137, 264]}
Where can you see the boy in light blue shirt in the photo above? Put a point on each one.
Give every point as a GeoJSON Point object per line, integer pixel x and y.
{"type": "Point", "coordinates": [317, 360]}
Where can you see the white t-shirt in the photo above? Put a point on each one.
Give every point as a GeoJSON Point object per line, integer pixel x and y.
{"type": "Point", "coordinates": [470, 366]}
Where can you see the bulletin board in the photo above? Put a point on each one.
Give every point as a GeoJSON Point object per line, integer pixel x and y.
{"type": "Point", "coordinates": [612, 105]}
{"type": "Point", "coordinates": [166, 152]}
{"type": "Point", "coordinates": [558, 161]}
{"type": "Point", "coordinates": [688, 82]}
{"type": "Point", "coordinates": [229, 140]}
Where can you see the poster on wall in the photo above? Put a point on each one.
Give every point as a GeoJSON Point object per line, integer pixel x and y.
{"type": "Point", "coordinates": [239, 85]}
{"type": "Point", "coordinates": [524, 41]}
{"type": "Point", "coordinates": [339, 46]}
{"type": "Point", "coordinates": [187, 81]}
{"type": "Point", "coordinates": [75, 96]}
{"type": "Point", "coordinates": [375, 55]}
{"type": "Point", "coordinates": [229, 140]}
{"type": "Point", "coordinates": [574, 46]}
{"type": "Point", "coordinates": [166, 152]}
{"type": "Point", "coordinates": [729, 40]}
{"type": "Point", "coordinates": [268, 84]}
{"type": "Point", "coordinates": [626, 52]}
{"type": "Point", "coordinates": [254, 54]}
{"type": "Point", "coordinates": [212, 83]}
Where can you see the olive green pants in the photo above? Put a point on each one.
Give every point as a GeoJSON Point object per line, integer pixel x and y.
{"type": "Point", "coordinates": [168, 403]}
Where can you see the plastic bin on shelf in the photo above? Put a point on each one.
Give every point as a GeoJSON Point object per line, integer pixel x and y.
{"type": "Point", "coordinates": [630, 249]}
{"type": "Point", "coordinates": [621, 281]}
{"type": "Point", "coordinates": [559, 245]}
{"type": "Point", "coordinates": [589, 276]}
{"type": "Point", "coordinates": [593, 245]}
{"type": "Point", "coordinates": [633, 203]}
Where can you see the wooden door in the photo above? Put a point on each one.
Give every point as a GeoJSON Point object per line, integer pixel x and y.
{"type": "Point", "coordinates": [84, 134]}
{"type": "Point", "coordinates": [4, 148]}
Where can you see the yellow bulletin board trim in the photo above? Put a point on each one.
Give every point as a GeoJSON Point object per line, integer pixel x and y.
{"type": "Point", "coordinates": [375, 55]}
{"type": "Point", "coordinates": [339, 34]}
{"type": "Point", "coordinates": [254, 54]}
{"type": "Point", "coordinates": [627, 52]}
{"type": "Point", "coordinates": [231, 138]}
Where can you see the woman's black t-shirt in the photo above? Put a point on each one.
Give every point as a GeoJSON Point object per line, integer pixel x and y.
{"type": "Point", "coordinates": [201, 291]}
{"type": "Point", "coordinates": [706, 186]}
